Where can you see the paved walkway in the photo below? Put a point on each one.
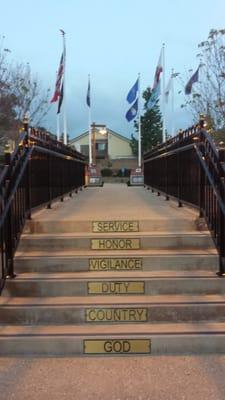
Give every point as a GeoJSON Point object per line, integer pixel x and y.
{"type": "Point", "coordinates": [144, 378]}
{"type": "Point", "coordinates": [115, 201]}
{"type": "Point", "coordinates": [131, 378]}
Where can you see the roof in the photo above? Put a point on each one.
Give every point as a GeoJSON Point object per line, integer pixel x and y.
{"type": "Point", "coordinates": [74, 140]}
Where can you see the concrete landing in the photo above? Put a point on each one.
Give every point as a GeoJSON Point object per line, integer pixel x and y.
{"type": "Point", "coordinates": [115, 201]}
{"type": "Point", "coordinates": [133, 378]}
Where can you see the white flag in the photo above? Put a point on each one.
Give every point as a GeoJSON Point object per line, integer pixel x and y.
{"type": "Point", "coordinates": [169, 85]}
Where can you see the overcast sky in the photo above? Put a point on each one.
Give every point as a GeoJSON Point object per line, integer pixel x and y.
{"type": "Point", "coordinates": [113, 40]}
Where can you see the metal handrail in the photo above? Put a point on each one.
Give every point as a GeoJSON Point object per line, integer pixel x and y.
{"type": "Point", "coordinates": [38, 171]}
{"type": "Point", "coordinates": [190, 168]}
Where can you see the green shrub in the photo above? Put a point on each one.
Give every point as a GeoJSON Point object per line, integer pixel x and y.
{"type": "Point", "coordinates": [106, 172]}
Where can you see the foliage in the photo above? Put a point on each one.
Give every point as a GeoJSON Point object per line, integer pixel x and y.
{"type": "Point", "coordinates": [106, 172]}
{"type": "Point", "coordinates": [151, 127]}
{"type": "Point", "coordinates": [208, 95]}
{"type": "Point", "coordinates": [20, 93]}
{"type": "Point", "coordinates": [125, 173]}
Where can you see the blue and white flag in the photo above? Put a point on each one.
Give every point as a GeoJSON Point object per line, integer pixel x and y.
{"type": "Point", "coordinates": [132, 112]}
{"type": "Point", "coordinates": [156, 91]}
{"type": "Point", "coordinates": [88, 99]}
{"type": "Point", "coordinates": [192, 80]}
{"type": "Point", "coordinates": [133, 92]}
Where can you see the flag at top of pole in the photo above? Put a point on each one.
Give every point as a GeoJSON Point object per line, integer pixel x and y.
{"type": "Point", "coordinates": [133, 97]}
{"type": "Point", "coordinates": [60, 100]}
{"type": "Point", "coordinates": [193, 79]}
{"type": "Point", "coordinates": [60, 72]}
{"type": "Point", "coordinates": [88, 98]}
{"type": "Point", "coordinates": [132, 112]}
{"type": "Point", "coordinates": [156, 89]}
{"type": "Point", "coordinates": [159, 69]}
{"type": "Point", "coordinates": [132, 94]}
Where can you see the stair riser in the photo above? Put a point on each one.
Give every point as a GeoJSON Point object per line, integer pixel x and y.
{"type": "Point", "coordinates": [74, 346]}
{"type": "Point", "coordinates": [80, 315]}
{"type": "Point", "coordinates": [114, 287]}
{"type": "Point", "coordinates": [160, 242]}
{"type": "Point", "coordinates": [86, 226]}
{"type": "Point", "coordinates": [154, 263]}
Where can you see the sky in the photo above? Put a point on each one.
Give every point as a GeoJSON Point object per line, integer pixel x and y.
{"type": "Point", "coordinates": [113, 41]}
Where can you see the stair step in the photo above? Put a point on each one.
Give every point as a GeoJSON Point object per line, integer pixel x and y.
{"type": "Point", "coordinates": [143, 260]}
{"type": "Point", "coordinates": [129, 241]}
{"type": "Point", "coordinates": [80, 310]}
{"type": "Point", "coordinates": [68, 226]}
{"type": "Point", "coordinates": [113, 340]}
{"type": "Point", "coordinates": [110, 301]}
{"type": "Point", "coordinates": [113, 275]}
{"type": "Point", "coordinates": [141, 283]}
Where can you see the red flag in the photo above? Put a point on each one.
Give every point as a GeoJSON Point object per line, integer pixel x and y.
{"type": "Point", "coordinates": [56, 94]}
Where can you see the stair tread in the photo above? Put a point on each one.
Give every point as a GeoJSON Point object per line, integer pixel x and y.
{"type": "Point", "coordinates": [131, 275]}
{"type": "Point", "coordinates": [70, 253]}
{"type": "Point", "coordinates": [105, 235]}
{"type": "Point", "coordinates": [118, 330]}
{"type": "Point", "coordinates": [95, 301]}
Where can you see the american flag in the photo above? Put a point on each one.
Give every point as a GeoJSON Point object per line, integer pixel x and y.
{"type": "Point", "coordinates": [57, 92]}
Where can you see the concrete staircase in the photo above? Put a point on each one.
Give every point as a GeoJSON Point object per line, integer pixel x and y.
{"type": "Point", "coordinates": [124, 287]}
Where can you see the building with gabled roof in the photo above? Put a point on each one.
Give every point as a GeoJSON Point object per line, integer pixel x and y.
{"type": "Point", "coordinates": [108, 149]}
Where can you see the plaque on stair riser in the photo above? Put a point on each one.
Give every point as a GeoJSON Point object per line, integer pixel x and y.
{"type": "Point", "coordinates": [117, 346]}
{"type": "Point", "coordinates": [115, 226]}
{"type": "Point", "coordinates": [116, 287]}
{"type": "Point", "coordinates": [115, 244]}
{"type": "Point", "coordinates": [116, 315]}
{"type": "Point", "coordinates": [115, 264]}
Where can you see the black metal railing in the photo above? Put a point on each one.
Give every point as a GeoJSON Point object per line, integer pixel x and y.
{"type": "Point", "coordinates": [40, 170]}
{"type": "Point", "coordinates": [191, 169]}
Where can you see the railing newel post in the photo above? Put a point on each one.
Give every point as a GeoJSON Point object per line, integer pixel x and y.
{"type": "Point", "coordinates": [49, 205]}
{"type": "Point", "coordinates": [179, 183]}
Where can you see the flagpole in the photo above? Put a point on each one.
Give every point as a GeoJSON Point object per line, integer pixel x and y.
{"type": "Point", "coordinates": [64, 88]}
{"type": "Point", "coordinates": [163, 94]}
{"type": "Point", "coordinates": [172, 102]}
{"type": "Point", "coordinates": [139, 122]}
{"type": "Point", "coordinates": [58, 126]}
{"type": "Point", "coordinates": [89, 125]}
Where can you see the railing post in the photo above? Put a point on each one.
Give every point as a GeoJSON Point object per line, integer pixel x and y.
{"type": "Point", "coordinates": [221, 217]}
{"type": "Point", "coordinates": [9, 237]}
{"type": "Point", "coordinates": [201, 174]}
{"type": "Point", "coordinates": [178, 172]}
{"type": "Point", "coordinates": [166, 175]}
{"type": "Point", "coordinates": [49, 181]}
{"type": "Point", "coordinates": [28, 181]}
{"type": "Point", "coordinates": [62, 182]}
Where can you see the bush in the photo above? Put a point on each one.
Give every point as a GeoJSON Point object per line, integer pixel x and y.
{"type": "Point", "coordinates": [125, 174]}
{"type": "Point", "coordinates": [106, 172]}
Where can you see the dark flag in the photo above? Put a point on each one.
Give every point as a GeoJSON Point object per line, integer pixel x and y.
{"type": "Point", "coordinates": [60, 72]}
{"type": "Point", "coordinates": [89, 94]}
{"type": "Point", "coordinates": [60, 99]}
{"type": "Point", "coordinates": [192, 80]}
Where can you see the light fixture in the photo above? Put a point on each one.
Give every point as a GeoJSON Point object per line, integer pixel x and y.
{"type": "Point", "coordinates": [103, 131]}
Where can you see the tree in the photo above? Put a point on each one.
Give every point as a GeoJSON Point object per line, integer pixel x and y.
{"type": "Point", "coordinates": [20, 94]}
{"type": "Point", "coordinates": [151, 127]}
{"type": "Point", "coordinates": [208, 95]}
